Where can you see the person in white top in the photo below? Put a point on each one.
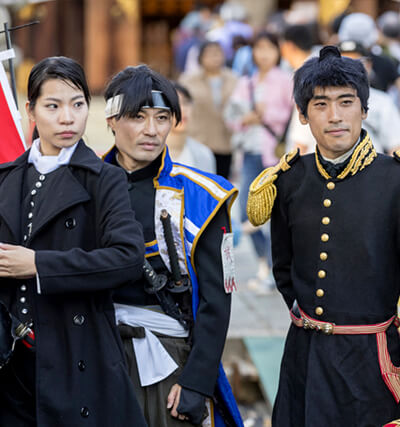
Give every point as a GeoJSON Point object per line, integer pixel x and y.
{"type": "Point", "coordinates": [183, 148]}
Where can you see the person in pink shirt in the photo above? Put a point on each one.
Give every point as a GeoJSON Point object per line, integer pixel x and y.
{"type": "Point", "coordinates": [258, 112]}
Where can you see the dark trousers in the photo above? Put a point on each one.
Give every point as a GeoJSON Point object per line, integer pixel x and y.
{"type": "Point", "coordinates": [223, 163]}
{"type": "Point", "coordinates": [153, 398]}
{"type": "Point", "coordinates": [17, 390]}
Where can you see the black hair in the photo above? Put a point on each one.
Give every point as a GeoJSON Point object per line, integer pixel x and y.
{"type": "Point", "coordinates": [136, 84]}
{"type": "Point", "coordinates": [300, 35]}
{"type": "Point", "coordinates": [183, 91]}
{"type": "Point", "coordinates": [55, 67]}
{"type": "Point", "coordinates": [271, 37]}
{"type": "Point", "coordinates": [330, 69]}
{"type": "Point", "coordinates": [203, 48]}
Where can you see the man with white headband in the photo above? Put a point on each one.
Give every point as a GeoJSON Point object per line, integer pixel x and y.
{"type": "Point", "coordinates": [173, 321]}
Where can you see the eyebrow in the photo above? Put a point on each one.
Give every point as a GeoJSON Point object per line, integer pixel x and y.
{"type": "Point", "coordinates": [344, 95]}
{"type": "Point", "coordinates": [50, 98]}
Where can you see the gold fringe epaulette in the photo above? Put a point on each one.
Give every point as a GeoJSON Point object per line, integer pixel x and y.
{"type": "Point", "coordinates": [262, 192]}
{"type": "Point", "coordinates": [396, 155]}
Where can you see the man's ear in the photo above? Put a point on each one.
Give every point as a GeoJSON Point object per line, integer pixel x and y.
{"type": "Point", "coordinates": [111, 122]}
{"type": "Point", "coordinates": [303, 119]}
{"type": "Point", "coordinates": [364, 113]}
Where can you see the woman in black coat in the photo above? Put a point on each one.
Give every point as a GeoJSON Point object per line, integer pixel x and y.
{"type": "Point", "coordinates": [68, 237]}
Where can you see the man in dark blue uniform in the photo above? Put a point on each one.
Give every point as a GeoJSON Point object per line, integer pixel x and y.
{"type": "Point", "coordinates": [336, 245]}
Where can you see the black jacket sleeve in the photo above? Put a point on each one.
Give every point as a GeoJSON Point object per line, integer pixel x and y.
{"type": "Point", "coordinates": [212, 321]}
{"type": "Point", "coordinates": [282, 249]}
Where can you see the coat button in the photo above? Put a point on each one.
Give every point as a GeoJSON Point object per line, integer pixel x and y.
{"type": "Point", "coordinates": [79, 319]}
{"type": "Point", "coordinates": [70, 223]}
{"type": "Point", "coordinates": [84, 412]}
{"type": "Point", "coordinates": [327, 203]}
{"type": "Point", "coordinates": [325, 237]}
{"type": "Point", "coordinates": [326, 220]}
{"type": "Point", "coordinates": [320, 293]}
{"type": "Point", "coordinates": [323, 256]}
{"type": "Point", "coordinates": [23, 288]}
{"type": "Point", "coordinates": [321, 274]}
{"type": "Point", "coordinates": [319, 311]}
{"type": "Point", "coordinates": [330, 185]}
{"type": "Point", "coordinates": [81, 365]}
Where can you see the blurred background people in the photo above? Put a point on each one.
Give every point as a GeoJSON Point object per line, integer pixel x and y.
{"type": "Point", "coordinates": [210, 89]}
{"type": "Point", "coordinates": [182, 148]}
{"type": "Point", "coordinates": [361, 28]}
{"type": "Point", "coordinates": [383, 120]}
{"type": "Point", "coordinates": [257, 113]}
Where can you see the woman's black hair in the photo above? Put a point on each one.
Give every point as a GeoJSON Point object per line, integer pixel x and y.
{"type": "Point", "coordinates": [183, 91]}
{"type": "Point", "coordinates": [272, 38]}
{"type": "Point", "coordinates": [330, 69]}
{"type": "Point", "coordinates": [203, 48]}
{"type": "Point", "coordinates": [55, 67]}
{"type": "Point", "coordinates": [136, 84]}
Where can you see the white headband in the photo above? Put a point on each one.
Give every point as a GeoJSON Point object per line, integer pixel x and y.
{"type": "Point", "coordinates": [113, 106]}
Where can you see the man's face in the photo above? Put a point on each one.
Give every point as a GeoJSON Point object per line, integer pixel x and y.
{"type": "Point", "coordinates": [335, 116]}
{"type": "Point", "coordinates": [141, 139]}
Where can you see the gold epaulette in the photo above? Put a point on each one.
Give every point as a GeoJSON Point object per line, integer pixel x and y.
{"type": "Point", "coordinates": [396, 155]}
{"type": "Point", "coordinates": [262, 192]}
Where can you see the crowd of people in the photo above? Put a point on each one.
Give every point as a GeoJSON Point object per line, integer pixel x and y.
{"type": "Point", "coordinates": [116, 273]}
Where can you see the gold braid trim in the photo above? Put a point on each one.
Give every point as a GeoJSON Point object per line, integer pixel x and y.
{"type": "Point", "coordinates": [363, 155]}
{"type": "Point", "coordinates": [262, 192]}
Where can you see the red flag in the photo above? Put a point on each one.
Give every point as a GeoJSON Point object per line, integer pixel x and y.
{"type": "Point", "coordinates": [12, 143]}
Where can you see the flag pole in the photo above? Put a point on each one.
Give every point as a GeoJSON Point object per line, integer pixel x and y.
{"type": "Point", "coordinates": [11, 64]}
{"type": "Point", "coordinates": [6, 31]}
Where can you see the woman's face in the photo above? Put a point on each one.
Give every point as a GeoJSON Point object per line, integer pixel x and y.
{"type": "Point", "coordinates": [60, 115]}
{"type": "Point", "coordinates": [213, 58]}
{"type": "Point", "coordinates": [265, 54]}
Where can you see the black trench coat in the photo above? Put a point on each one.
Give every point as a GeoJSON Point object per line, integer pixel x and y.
{"type": "Point", "coordinates": [87, 242]}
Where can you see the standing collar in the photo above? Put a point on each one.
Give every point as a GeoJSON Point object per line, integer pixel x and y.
{"type": "Point", "coordinates": [363, 155]}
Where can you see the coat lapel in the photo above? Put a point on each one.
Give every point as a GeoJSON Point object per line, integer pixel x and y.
{"type": "Point", "coordinates": [65, 192]}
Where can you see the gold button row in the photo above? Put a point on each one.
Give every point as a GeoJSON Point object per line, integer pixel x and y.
{"type": "Point", "coordinates": [323, 255]}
